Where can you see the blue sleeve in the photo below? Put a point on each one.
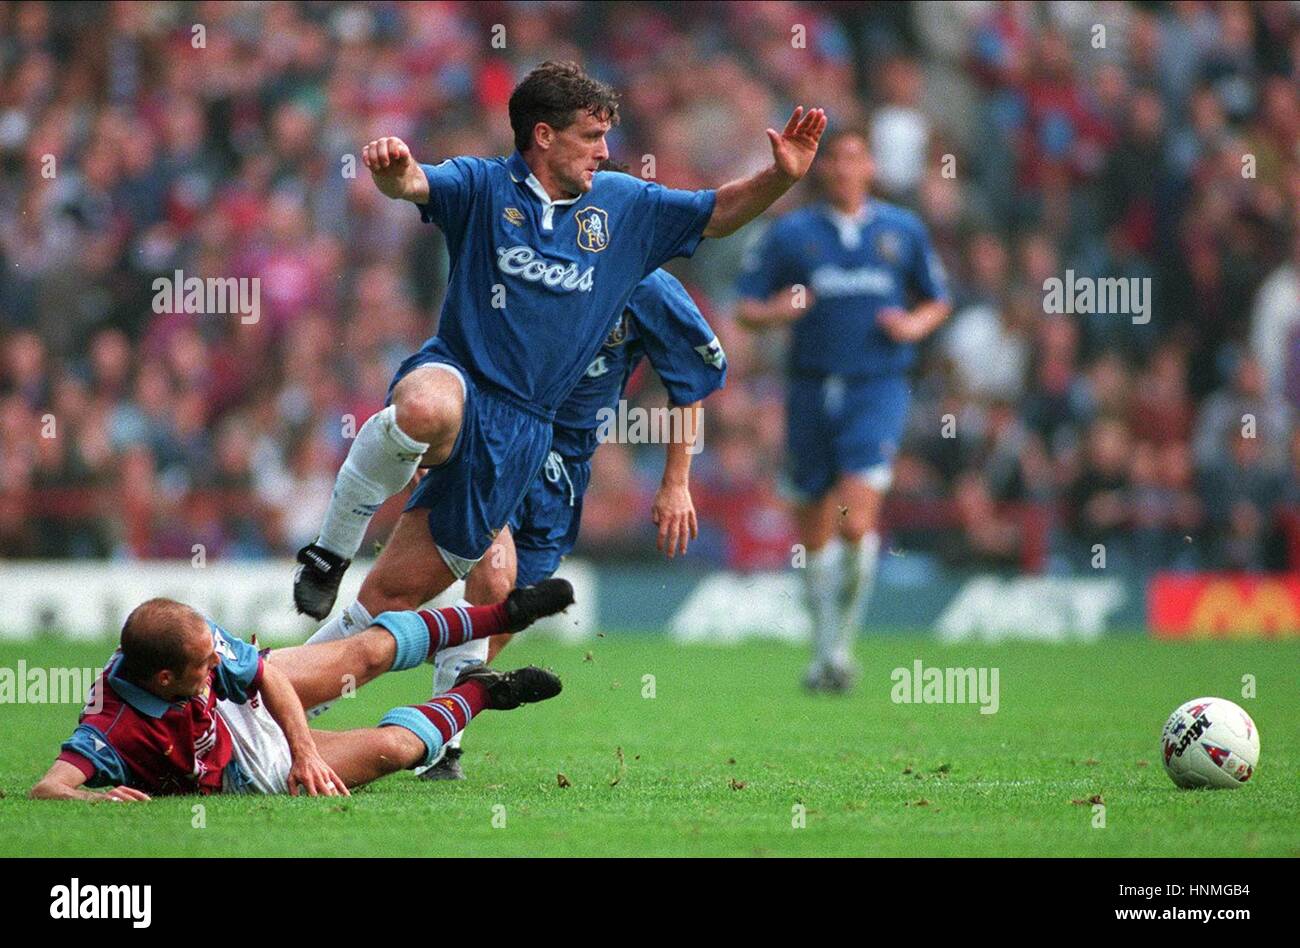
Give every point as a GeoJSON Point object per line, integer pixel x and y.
{"type": "Point", "coordinates": [452, 185]}
{"type": "Point", "coordinates": [89, 746]}
{"type": "Point", "coordinates": [927, 277]}
{"type": "Point", "coordinates": [768, 264]}
{"type": "Point", "coordinates": [681, 346]}
{"type": "Point", "coordinates": [676, 219]}
{"type": "Point", "coordinates": [239, 669]}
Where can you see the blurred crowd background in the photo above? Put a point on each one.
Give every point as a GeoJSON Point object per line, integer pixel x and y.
{"type": "Point", "coordinates": [1157, 140]}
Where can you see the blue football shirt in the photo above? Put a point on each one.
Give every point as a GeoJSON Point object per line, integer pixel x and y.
{"type": "Point", "coordinates": [536, 285]}
{"type": "Point", "coordinates": [662, 324]}
{"type": "Point", "coordinates": [855, 267]}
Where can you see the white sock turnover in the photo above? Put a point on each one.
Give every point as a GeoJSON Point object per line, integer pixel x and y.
{"type": "Point", "coordinates": [350, 621]}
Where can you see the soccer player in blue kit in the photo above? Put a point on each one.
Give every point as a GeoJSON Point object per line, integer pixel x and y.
{"type": "Point", "coordinates": [859, 284]}
{"type": "Point", "coordinates": [545, 254]}
{"type": "Point", "coordinates": [663, 325]}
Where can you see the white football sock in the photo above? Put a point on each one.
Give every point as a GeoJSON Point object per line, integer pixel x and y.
{"type": "Point", "coordinates": [822, 575]}
{"type": "Point", "coordinates": [381, 461]}
{"type": "Point", "coordinates": [860, 561]}
{"type": "Point", "coordinates": [448, 663]}
{"type": "Point", "coordinates": [355, 618]}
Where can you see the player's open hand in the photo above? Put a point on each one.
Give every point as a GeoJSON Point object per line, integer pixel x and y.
{"type": "Point", "coordinates": [793, 150]}
{"type": "Point", "coordinates": [674, 513]}
{"type": "Point", "coordinates": [310, 772]}
{"type": "Point", "coordinates": [127, 795]}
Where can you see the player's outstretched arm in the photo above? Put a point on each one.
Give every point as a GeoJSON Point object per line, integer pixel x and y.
{"type": "Point", "coordinates": [739, 202]}
{"type": "Point", "coordinates": [395, 172]}
{"type": "Point", "coordinates": [309, 769]}
{"type": "Point", "coordinates": [674, 511]}
{"type": "Point", "coordinates": [63, 782]}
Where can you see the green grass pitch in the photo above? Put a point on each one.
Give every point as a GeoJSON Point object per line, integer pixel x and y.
{"type": "Point", "coordinates": [718, 760]}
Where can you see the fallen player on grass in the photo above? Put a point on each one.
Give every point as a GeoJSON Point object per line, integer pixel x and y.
{"type": "Point", "coordinates": [185, 707]}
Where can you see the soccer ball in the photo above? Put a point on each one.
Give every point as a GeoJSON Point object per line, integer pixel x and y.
{"type": "Point", "coordinates": [1210, 742]}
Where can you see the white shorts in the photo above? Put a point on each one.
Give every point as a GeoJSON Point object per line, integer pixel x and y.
{"type": "Point", "coordinates": [260, 747]}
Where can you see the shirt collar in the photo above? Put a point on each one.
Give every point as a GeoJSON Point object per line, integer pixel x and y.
{"type": "Point", "coordinates": [520, 173]}
{"type": "Point", "coordinates": [134, 695]}
{"type": "Point", "coordinates": [849, 226]}
{"type": "Point", "coordinates": [519, 170]}
{"type": "Point", "coordinates": [840, 219]}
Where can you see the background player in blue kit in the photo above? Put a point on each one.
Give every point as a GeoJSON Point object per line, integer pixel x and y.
{"type": "Point", "coordinates": [545, 254]}
{"type": "Point", "coordinates": [662, 324]}
{"type": "Point", "coordinates": [860, 285]}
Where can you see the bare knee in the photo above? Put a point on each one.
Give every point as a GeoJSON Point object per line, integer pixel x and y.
{"type": "Point", "coordinates": [859, 513]}
{"type": "Point", "coordinates": [854, 527]}
{"type": "Point", "coordinates": [816, 526]}
{"type": "Point", "coordinates": [378, 597]}
{"type": "Point", "coordinates": [399, 749]}
{"type": "Point", "coordinates": [389, 588]}
{"type": "Point", "coordinates": [429, 404]}
{"type": "Point", "coordinates": [488, 584]}
{"type": "Point", "coordinates": [375, 652]}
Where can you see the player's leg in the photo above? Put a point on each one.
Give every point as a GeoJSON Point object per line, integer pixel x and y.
{"type": "Point", "coordinates": [823, 579]}
{"type": "Point", "coordinates": [362, 755]}
{"type": "Point", "coordinates": [405, 639]}
{"type": "Point", "coordinates": [408, 573]}
{"type": "Point", "coordinates": [873, 422]}
{"type": "Point", "coordinates": [419, 426]}
{"type": "Point", "coordinates": [456, 511]}
{"type": "Point", "coordinates": [490, 581]}
{"type": "Point", "coordinates": [858, 501]}
{"type": "Point", "coordinates": [542, 530]}
{"type": "Point", "coordinates": [495, 644]}
{"type": "Point", "coordinates": [321, 671]}
{"type": "Point", "coordinates": [366, 754]}
{"type": "Point", "coordinates": [547, 532]}
{"type": "Point", "coordinates": [533, 563]}
{"type": "Point", "coordinates": [811, 473]}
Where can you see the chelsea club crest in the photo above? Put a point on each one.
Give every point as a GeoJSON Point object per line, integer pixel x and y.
{"type": "Point", "coordinates": [618, 335]}
{"type": "Point", "coordinates": [593, 229]}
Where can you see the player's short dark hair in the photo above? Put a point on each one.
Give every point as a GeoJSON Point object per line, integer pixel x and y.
{"type": "Point", "coordinates": [554, 93]}
{"type": "Point", "coordinates": [154, 638]}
